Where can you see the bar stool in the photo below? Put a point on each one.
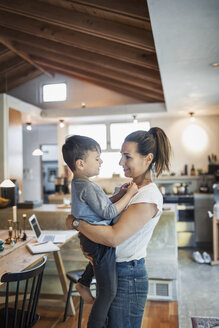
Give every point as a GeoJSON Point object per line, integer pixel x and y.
{"type": "Point", "coordinates": [73, 276]}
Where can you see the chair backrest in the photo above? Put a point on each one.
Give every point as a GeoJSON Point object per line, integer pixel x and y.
{"type": "Point", "coordinates": [28, 294]}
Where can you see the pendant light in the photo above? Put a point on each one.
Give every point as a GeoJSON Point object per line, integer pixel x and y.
{"type": "Point", "coordinates": [37, 152]}
{"type": "Point", "coordinates": [7, 183]}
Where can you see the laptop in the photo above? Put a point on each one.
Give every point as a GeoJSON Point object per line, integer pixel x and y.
{"type": "Point", "coordinates": [42, 237]}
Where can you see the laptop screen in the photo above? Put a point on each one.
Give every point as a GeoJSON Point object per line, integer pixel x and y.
{"type": "Point", "coordinates": [36, 227]}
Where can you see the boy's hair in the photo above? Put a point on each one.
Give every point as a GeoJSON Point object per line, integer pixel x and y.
{"type": "Point", "coordinates": [76, 147]}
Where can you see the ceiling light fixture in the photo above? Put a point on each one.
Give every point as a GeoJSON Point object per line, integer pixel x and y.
{"type": "Point", "coordinates": [135, 121]}
{"type": "Point", "coordinates": [37, 152]}
{"type": "Point", "coordinates": [61, 123]}
{"type": "Point", "coordinates": [29, 126]}
{"type": "Point", "coordinates": [7, 183]}
{"type": "Point", "coordinates": [192, 118]}
{"type": "Point", "coordinates": [83, 105]}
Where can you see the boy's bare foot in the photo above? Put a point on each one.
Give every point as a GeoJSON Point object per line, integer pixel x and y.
{"type": "Point", "coordinates": [85, 293]}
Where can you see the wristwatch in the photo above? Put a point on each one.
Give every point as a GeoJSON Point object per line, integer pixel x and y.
{"type": "Point", "coordinates": [75, 224]}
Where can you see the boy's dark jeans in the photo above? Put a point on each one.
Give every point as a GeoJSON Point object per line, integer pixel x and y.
{"type": "Point", "coordinates": [104, 268]}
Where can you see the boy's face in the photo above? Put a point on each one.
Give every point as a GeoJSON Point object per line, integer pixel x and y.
{"type": "Point", "coordinates": [92, 163]}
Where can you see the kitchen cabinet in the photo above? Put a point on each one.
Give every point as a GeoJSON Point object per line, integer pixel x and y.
{"type": "Point", "coordinates": [203, 224]}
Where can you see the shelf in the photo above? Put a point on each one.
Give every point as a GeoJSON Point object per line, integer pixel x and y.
{"type": "Point", "coordinates": [181, 178]}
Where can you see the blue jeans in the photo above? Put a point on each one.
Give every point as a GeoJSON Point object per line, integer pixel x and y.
{"type": "Point", "coordinates": [127, 308]}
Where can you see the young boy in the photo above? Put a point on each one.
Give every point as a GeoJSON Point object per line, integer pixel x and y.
{"type": "Point", "coordinates": [90, 203]}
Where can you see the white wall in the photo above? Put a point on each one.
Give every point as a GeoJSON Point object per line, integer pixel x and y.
{"type": "Point", "coordinates": [175, 127]}
{"type": "Point", "coordinates": [40, 134]}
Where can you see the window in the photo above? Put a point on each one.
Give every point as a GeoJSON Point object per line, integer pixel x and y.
{"type": "Point", "coordinates": [54, 92]}
{"type": "Point", "coordinates": [110, 164]}
{"type": "Point", "coordinates": [118, 132]}
{"type": "Point", "coordinates": [95, 131]}
{"type": "Point", "coordinates": [110, 137]}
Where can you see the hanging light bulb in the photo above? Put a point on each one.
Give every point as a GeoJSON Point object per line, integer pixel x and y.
{"type": "Point", "coordinates": [37, 152]}
{"type": "Point", "coordinates": [192, 118]}
{"type": "Point", "coordinates": [29, 126]}
{"type": "Point", "coordinates": [61, 123]}
{"type": "Point", "coordinates": [135, 121]}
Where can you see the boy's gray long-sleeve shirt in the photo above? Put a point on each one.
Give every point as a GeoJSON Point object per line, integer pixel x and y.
{"type": "Point", "coordinates": [90, 203]}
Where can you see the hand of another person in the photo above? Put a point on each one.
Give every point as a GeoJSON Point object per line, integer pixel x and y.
{"type": "Point", "coordinates": [124, 187]}
{"type": "Point", "coordinates": [68, 221]}
{"type": "Point", "coordinates": [132, 189]}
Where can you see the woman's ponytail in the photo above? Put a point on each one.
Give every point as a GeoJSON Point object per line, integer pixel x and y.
{"type": "Point", "coordinates": [162, 158]}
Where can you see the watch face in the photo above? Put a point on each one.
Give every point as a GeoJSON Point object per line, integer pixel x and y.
{"type": "Point", "coordinates": [75, 223]}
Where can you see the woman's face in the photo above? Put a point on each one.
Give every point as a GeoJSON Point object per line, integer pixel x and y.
{"type": "Point", "coordinates": [133, 163]}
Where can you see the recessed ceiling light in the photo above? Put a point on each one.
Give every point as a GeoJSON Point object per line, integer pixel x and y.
{"type": "Point", "coordinates": [215, 64]}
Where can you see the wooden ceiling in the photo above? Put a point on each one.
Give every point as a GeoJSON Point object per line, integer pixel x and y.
{"type": "Point", "coordinates": [108, 43]}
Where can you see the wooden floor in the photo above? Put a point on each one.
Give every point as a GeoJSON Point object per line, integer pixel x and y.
{"type": "Point", "coordinates": [157, 315]}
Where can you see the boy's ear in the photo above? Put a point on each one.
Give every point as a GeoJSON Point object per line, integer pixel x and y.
{"type": "Point", "coordinates": [79, 164]}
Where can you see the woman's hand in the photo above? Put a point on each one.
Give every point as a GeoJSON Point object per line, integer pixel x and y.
{"type": "Point", "coordinates": [131, 221]}
{"type": "Point", "coordinates": [68, 221]}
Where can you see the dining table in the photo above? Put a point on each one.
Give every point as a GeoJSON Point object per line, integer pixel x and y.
{"type": "Point", "coordinates": [16, 257]}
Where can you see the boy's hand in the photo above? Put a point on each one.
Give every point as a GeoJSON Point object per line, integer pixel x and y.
{"type": "Point", "coordinates": [132, 189]}
{"type": "Point", "coordinates": [125, 187]}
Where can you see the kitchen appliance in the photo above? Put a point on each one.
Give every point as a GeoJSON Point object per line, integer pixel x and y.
{"type": "Point", "coordinates": [185, 217]}
{"type": "Point", "coordinates": [204, 185]}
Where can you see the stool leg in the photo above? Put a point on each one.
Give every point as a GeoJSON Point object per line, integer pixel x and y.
{"type": "Point", "coordinates": [80, 312]}
{"type": "Point", "coordinates": [68, 300]}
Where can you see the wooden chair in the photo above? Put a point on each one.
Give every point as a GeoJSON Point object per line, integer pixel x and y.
{"type": "Point", "coordinates": [73, 276]}
{"type": "Point", "coordinates": [23, 316]}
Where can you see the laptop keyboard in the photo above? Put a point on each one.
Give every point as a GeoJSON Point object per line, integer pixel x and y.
{"type": "Point", "coordinates": [48, 238]}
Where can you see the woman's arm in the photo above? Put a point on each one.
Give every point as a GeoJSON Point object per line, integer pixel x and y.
{"type": "Point", "coordinates": [131, 221]}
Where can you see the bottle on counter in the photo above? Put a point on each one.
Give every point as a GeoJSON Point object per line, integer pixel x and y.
{"type": "Point", "coordinates": [192, 171]}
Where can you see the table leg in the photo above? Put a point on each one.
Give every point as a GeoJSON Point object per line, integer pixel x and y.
{"type": "Point", "coordinates": [215, 242]}
{"type": "Point", "coordinates": [63, 279]}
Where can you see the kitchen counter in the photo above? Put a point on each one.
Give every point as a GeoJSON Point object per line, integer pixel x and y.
{"type": "Point", "coordinates": [202, 195]}
{"type": "Point", "coordinates": [50, 216]}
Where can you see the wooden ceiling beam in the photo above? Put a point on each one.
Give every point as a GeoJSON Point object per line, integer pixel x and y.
{"type": "Point", "coordinates": [23, 55]}
{"type": "Point", "coordinates": [7, 56]}
{"type": "Point", "coordinates": [3, 50]}
{"type": "Point", "coordinates": [81, 22]}
{"type": "Point", "coordinates": [96, 76]}
{"type": "Point", "coordinates": [128, 8]}
{"type": "Point", "coordinates": [27, 42]}
{"type": "Point", "coordinates": [14, 80]}
{"type": "Point", "coordinates": [11, 64]}
{"type": "Point", "coordinates": [79, 40]}
{"type": "Point", "coordinates": [94, 68]}
{"type": "Point", "coordinates": [107, 85]}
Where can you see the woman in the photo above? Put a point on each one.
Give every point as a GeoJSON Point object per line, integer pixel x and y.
{"type": "Point", "coordinates": [142, 152]}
